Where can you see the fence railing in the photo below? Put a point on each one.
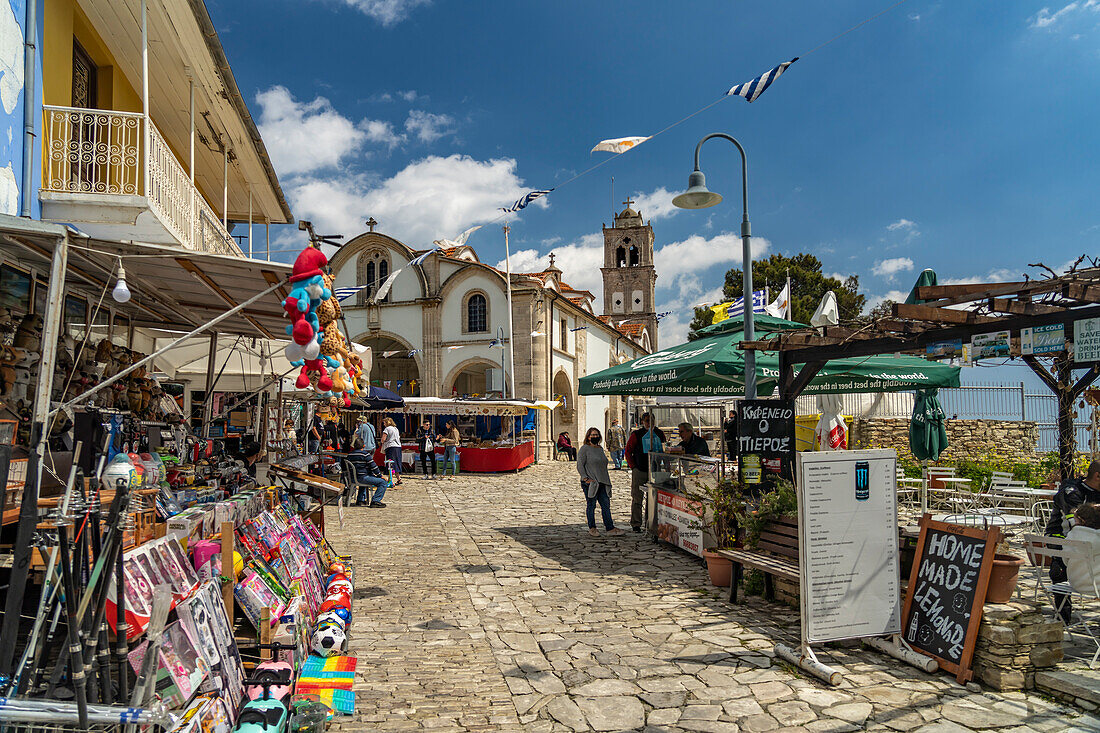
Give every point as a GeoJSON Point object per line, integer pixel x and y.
{"type": "Point", "coordinates": [101, 152]}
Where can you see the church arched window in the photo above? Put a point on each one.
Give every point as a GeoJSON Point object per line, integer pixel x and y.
{"type": "Point", "coordinates": [477, 313]}
{"type": "Point", "coordinates": [374, 268]}
{"type": "Point", "coordinates": [633, 256]}
{"type": "Point", "coordinates": [620, 257]}
{"type": "Point", "coordinates": [383, 273]}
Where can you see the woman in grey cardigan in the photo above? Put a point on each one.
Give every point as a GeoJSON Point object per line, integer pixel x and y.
{"type": "Point", "coordinates": [592, 466]}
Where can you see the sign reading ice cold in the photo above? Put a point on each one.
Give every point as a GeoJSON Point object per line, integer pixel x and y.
{"type": "Point", "coordinates": [946, 592]}
{"type": "Point", "coordinates": [848, 544]}
{"type": "Point", "coordinates": [766, 430]}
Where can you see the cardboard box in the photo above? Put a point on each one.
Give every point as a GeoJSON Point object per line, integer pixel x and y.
{"type": "Point", "coordinates": [240, 419]}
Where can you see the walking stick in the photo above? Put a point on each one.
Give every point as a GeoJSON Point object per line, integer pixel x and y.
{"type": "Point", "coordinates": [75, 652]}
{"type": "Point", "coordinates": [122, 630]}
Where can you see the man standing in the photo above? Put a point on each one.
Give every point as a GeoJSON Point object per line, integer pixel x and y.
{"type": "Point", "coordinates": [645, 440]}
{"type": "Point", "coordinates": [365, 432]}
{"type": "Point", "coordinates": [729, 433]}
{"type": "Point", "coordinates": [1071, 494]}
{"type": "Point", "coordinates": [316, 434]}
{"type": "Point", "coordinates": [616, 443]}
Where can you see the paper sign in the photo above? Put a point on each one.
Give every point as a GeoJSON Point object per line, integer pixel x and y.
{"type": "Point", "coordinates": [990, 345]}
{"type": "Point", "coordinates": [680, 522]}
{"type": "Point", "coordinates": [1086, 340]}
{"type": "Point", "coordinates": [1043, 339]}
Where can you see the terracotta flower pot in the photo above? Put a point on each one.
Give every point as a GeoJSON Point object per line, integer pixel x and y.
{"type": "Point", "coordinates": [719, 568]}
{"type": "Point", "coordinates": [1002, 579]}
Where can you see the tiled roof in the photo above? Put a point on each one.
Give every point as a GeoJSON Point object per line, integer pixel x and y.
{"type": "Point", "coordinates": [633, 330]}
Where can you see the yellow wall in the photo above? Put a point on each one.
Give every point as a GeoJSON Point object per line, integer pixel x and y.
{"type": "Point", "coordinates": [63, 21]}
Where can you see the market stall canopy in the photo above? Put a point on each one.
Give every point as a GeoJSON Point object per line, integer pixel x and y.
{"type": "Point", "coordinates": [715, 365]}
{"type": "Point", "coordinates": [441, 406]}
{"type": "Point", "coordinates": [171, 287]}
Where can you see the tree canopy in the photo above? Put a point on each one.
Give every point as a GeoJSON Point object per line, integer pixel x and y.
{"type": "Point", "coordinates": [808, 285]}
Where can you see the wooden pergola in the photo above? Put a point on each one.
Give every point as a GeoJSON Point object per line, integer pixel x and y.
{"type": "Point", "coordinates": [950, 312]}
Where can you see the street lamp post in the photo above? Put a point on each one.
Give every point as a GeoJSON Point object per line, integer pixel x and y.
{"type": "Point", "coordinates": [699, 197]}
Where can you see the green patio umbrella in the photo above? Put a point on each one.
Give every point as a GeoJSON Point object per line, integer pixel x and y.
{"type": "Point", "coordinates": [927, 277]}
{"type": "Point", "coordinates": [715, 366]}
{"type": "Point", "coordinates": [927, 434]}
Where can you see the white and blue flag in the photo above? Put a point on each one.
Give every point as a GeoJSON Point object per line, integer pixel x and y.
{"type": "Point", "coordinates": [751, 90]}
{"type": "Point", "coordinates": [523, 202]}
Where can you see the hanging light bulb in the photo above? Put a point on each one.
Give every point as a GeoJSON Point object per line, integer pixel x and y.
{"type": "Point", "coordinates": [121, 293]}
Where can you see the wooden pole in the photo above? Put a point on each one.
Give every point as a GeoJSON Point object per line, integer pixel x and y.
{"type": "Point", "coordinates": [227, 570]}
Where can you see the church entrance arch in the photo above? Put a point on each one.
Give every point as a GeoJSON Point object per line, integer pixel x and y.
{"type": "Point", "coordinates": [472, 378]}
{"type": "Point", "coordinates": [565, 414]}
{"type": "Point", "coordinates": [399, 370]}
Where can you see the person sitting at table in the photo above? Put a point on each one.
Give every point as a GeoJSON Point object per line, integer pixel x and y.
{"type": "Point", "coordinates": [566, 446]}
{"type": "Point", "coordinates": [690, 443]}
{"type": "Point", "coordinates": [1071, 494]}
{"type": "Point", "coordinates": [366, 476]}
{"type": "Point", "coordinates": [1083, 568]}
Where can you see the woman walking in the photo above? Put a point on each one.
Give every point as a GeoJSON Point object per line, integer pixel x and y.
{"type": "Point", "coordinates": [391, 446]}
{"type": "Point", "coordinates": [425, 439]}
{"type": "Point", "coordinates": [596, 483]}
{"type": "Point", "coordinates": [450, 441]}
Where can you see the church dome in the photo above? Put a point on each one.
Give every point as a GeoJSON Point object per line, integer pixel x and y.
{"type": "Point", "coordinates": [628, 217]}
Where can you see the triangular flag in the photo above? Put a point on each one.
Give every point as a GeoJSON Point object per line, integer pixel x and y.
{"type": "Point", "coordinates": [751, 90]}
{"type": "Point", "coordinates": [618, 144]}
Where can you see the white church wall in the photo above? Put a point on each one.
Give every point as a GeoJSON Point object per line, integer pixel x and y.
{"type": "Point", "coordinates": [454, 304]}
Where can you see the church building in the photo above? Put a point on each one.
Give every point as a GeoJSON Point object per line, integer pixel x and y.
{"type": "Point", "coordinates": [442, 328]}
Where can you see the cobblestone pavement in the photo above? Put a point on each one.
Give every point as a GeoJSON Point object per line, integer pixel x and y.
{"type": "Point", "coordinates": [482, 604]}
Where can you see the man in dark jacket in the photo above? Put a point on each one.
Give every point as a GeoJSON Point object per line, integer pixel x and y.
{"type": "Point", "coordinates": [729, 433]}
{"type": "Point", "coordinates": [1072, 494]}
{"type": "Point", "coordinates": [646, 439]}
{"type": "Point", "coordinates": [690, 443]}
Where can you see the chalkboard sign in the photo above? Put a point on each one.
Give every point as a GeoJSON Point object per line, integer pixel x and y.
{"type": "Point", "coordinates": [765, 439]}
{"type": "Point", "coordinates": [946, 592]}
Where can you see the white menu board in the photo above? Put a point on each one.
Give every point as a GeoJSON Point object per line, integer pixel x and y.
{"type": "Point", "coordinates": [848, 544]}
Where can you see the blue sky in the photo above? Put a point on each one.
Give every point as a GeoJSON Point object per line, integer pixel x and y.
{"type": "Point", "coordinates": [957, 136]}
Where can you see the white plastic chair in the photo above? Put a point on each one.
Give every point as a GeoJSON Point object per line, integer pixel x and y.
{"type": "Point", "coordinates": [1039, 551]}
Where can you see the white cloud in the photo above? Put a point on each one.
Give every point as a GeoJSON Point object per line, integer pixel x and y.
{"type": "Point", "coordinates": [837, 275]}
{"type": "Point", "coordinates": [1044, 18]}
{"type": "Point", "coordinates": [305, 136]}
{"type": "Point", "coordinates": [431, 197]}
{"type": "Point", "coordinates": [428, 127]}
{"type": "Point", "coordinates": [905, 224]}
{"type": "Point", "coordinates": [673, 328]}
{"type": "Point", "coordinates": [891, 267]}
{"type": "Point", "coordinates": [381, 132]}
{"type": "Point", "coordinates": [898, 296]}
{"type": "Point", "coordinates": [698, 254]}
{"type": "Point", "coordinates": [579, 262]}
{"type": "Point", "coordinates": [655, 204]}
{"type": "Point", "coordinates": [915, 17]}
{"type": "Point", "coordinates": [386, 12]}
{"type": "Point", "coordinates": [1000, 275]}
{"type": "Point", "coordinates": [409, 95]}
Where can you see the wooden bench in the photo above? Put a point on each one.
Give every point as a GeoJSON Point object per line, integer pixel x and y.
{"type": "Point", "coordinates": [776, 555]}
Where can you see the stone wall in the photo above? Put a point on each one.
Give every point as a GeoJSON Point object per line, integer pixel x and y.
{"type": "Point", "coordinates": [965, 438]}
{"type": "Point", "coordinates": [1014, 641]}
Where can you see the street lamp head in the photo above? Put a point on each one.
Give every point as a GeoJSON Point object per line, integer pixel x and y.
{"type": "Point", "coordinates": [698, 196]}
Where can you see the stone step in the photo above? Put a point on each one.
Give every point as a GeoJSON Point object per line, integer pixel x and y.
{"type": "Point", "coordinates": [1082, 684]}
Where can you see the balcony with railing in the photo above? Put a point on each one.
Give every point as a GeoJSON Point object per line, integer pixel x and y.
{"type": "Point", "coordinates": [99, 173]}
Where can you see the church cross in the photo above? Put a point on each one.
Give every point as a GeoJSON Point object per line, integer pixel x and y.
{"type": "Point", "coordinates": [372, 223]}
{"type": "Point", "coordinates": [551, 259]}
{"type": "Point", "coordinates": [628, 202]}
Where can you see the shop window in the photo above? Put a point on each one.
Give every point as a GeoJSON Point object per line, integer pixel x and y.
{"type": "Point", "coordinates": [15, 290]}
{"type": "Point", "coordinates": [76, 316]}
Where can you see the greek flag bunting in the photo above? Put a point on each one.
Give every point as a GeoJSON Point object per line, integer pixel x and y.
{"type": "Point", "coordinates": [523, 202]}
{"type": "Point", "coordinates": [343, 294]}
{"type": "Point", "coordinates": [751, 90]}
{"type": "Point", "coordinates": [736, 307]}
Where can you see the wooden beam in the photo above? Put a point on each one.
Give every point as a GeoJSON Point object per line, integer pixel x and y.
{"type": "Point", "coordinates": [938, 292]}
{"type": "Point", "coordinates": [272, 278]}
{"type": "Point", "coordinates": [1016, 289]}
{"type": "Point", "coordinates": [1083, 292]}
{"type": "Point", "coordinates": [216, 307]}
{"type": "Point", "coordinates": [936, 314]}
{"type": "Point", "coordinates": [894, 344]}
{"type": "Point", "coordinates": [1085, 381]}
{"type": "Point", "coordinates": [1020, 307]}
{"type": "Point", "coordinates": [217, 290]}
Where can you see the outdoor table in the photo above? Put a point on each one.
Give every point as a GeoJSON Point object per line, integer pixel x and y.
{"type": "Point", "coordinates": [981, 519]}
{"type": "Point", "coordinates": [1031, 493]}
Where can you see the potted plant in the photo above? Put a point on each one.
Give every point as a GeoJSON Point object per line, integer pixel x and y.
{"type": "Point", "coordinates": [721, 503]}
{"type": "Point", "coordinates": [1004, 576]}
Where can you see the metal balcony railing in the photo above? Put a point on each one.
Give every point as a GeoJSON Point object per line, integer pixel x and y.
{"type": "Point", "coordinates": [100, 152]}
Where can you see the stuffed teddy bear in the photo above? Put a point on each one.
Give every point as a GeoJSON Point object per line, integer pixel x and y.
{"type": "Point", "coordinates": [29, 333]}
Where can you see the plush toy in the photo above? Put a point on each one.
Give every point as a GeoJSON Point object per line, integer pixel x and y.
{"type": "Point", "coordinates": [29, 334]}
{"type": "Point", "coordinates": [301, 306]}
{"type": "Point", "coordinates": [7, 321]}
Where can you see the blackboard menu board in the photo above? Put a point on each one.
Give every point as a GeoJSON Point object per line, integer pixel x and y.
{"type": "Point", "coordinates": [765, 439]}
{"type": "Point", "coordinates": [946, 592]}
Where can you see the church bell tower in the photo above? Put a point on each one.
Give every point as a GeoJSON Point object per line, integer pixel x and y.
{"type": "Point", "coordinates": [629, 277]}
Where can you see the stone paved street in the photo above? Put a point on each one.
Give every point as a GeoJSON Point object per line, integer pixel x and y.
{"type": "Point", "coordinates": [482, 604]}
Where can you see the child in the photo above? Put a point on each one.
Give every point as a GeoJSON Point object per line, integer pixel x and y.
{"type": "Point", "coordinates": [1083, 569]}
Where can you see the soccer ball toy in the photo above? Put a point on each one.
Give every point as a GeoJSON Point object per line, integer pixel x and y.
{"type": "Point", "coordinates": [338, 595]}
{"type": "Point", "coordinates": [334, 577]}
{"type": "Point", "coordinates": [333, 616]}
{"type": "Point", "coordinates": [328, 640]}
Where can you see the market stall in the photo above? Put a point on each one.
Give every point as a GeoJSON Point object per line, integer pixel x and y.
{"type": "Point", "coordinates": [497, 435]}
{"type": "Point", "coordinates": [165, 585]}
